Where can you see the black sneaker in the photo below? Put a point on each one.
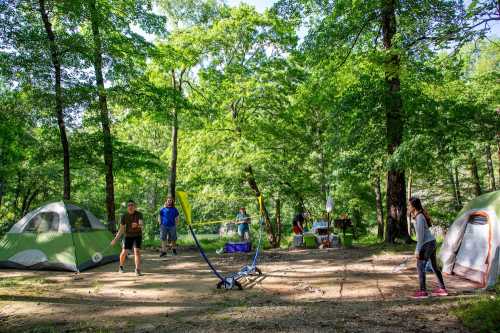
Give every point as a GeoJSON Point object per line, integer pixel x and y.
{"type": "Point", "coordinates": [121, 270]}
{"type": "Point", "coordinates": [174, 251]}
{"type": "Point", "coordinates": [138, 272]}
{"type": "Point", "coordinates": [162, 254]}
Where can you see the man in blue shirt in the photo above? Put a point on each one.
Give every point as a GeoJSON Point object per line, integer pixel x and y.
{"type": "Point", "coordinates": [168, 219]}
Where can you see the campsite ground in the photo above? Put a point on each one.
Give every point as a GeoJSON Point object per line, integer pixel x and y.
{"type": "Point", "coordinates": [342, 290]}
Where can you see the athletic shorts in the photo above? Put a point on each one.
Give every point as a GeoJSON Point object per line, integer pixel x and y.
{"type": "Point", "coordinates": [168, 233]}
{"type": "Point", "coordinates": [243, 228]}
{"type": "Point", "coordinates": [132, 242]}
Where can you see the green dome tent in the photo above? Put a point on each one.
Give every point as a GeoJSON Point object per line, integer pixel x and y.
{"type": "Point", "coordinates": [471, 247]}
{"type": "Point", "coordinates": [57, 236]}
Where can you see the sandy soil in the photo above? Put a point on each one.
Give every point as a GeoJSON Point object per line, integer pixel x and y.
{"type": "Point", "coordinates": [336, 290]}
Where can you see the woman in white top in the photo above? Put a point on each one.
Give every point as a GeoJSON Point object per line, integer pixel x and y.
{"type": "Point", "coordinates": [425, 250]}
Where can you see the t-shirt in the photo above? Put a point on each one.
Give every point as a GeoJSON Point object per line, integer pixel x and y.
{"type": "Point", "coordinates": [168, 215]}
{"type": "Point", "coordinates": [128, 219]}
{"type": "Point", "coordinates": [424, 235]}
{"type": "Point", "coordinates": [242, 217]}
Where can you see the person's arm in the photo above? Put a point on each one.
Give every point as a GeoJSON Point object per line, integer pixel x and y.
{"type": "Point", "coordinates": [419, 229]}
{"type": "Point", "coordinates": [176, 216]}
{"type": "Point", "coordinates": [120, 232]}
{"type": "Point", "coordinates": [159, 217]}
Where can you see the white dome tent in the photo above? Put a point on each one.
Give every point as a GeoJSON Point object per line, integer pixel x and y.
{"type": "Point", "coordinates": [471, 247]}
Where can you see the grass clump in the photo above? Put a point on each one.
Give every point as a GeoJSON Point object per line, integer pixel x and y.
{"type": "Point", "coordinates": [481, 314]}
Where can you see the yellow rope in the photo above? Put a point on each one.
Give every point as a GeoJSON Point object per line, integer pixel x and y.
{"type": "Point", "coordinates": [215, 222]}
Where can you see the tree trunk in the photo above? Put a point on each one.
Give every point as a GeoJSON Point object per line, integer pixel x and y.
{"type": "Point", "coordinates": [2, 187]}
{"type": "Point", "coordinates": [271, 232]}
{"type": "Point", "coordinates": [410, 194]}
{"type": "Point", "coordinates": [454, 188]}
{"type": "Point", "coordinates": [278, 221]}
{"type": "Point", "coordinates": [379, 208]}
{"type": "Point", "coordinates": [28, 199]}
{"type": "Point", "coordinates": [104, 115]}
{"type": "Point", "coordinates": [173, 158]}
{"type": "Point", "coordinates": [396, 191]}
{"type": "Point", "coordinates": [489, 165]}
{"type": "Point", "coordinates": [457, 188]}
{"type": "Point", "coordinates": [475, 177]}
{"type": "Point", "coordinates": [56, 63]}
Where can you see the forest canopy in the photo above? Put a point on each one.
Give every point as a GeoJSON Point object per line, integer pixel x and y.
{"type": "Point", "coordinates": [369, 102]}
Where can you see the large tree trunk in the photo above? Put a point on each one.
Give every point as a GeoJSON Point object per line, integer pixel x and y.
{"type": "Point", "coordinates": [396, 191]}
{"type": "Point", "coordinates": [173, 159]}
{"type": "Point", "coordinates": [271, 231]}
{"type": "Point", "coordinates": [379, 208]}
{"type": "Point", "coordinates": [104, 115]}
{"type": "Point", "coordinates": [56, 63]}
{"type": "Point", "coordinates": [475, 176]}
{"type": "Point", "coordinates": [175, 128]}
{"type": "Point", "coordinates": [489, 165]}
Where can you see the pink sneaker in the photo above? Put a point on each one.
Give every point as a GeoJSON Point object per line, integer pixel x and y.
{"type": "Point", "coordinates": [420, 294]}
{"type": "Point", "coordinates": [439, 292]}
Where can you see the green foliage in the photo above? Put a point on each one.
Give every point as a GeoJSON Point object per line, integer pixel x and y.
{"type": "Point", "coordinates": [296, 92]}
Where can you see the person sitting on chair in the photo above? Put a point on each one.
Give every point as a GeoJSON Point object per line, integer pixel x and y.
{"type": "Point", "coordinates": [243, 222]}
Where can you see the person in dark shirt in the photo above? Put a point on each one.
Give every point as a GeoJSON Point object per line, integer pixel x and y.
{"type": "Point", "coordinates": [131, 226]}
{"type": "Point", "coordinates": [298, 223]}
{"type": "Point", "coordinates": [168, 218]}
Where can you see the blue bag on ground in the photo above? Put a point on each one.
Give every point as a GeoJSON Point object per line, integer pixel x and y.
{"type": "Point", "coordinates": [232, 247]}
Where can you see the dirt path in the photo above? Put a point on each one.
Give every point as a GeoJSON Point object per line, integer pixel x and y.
{"type": "Point", "coordinates": [353, 290]}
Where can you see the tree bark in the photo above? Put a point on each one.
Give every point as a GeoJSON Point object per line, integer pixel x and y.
{"type": "Point", "coordinates": [489, 165]}
{"type": "Point", "coordinates": [278, 221]}
{"type": "Point", "coordinates": [410, 194]}
{"type": "Point", "coordinates": [498, 156]}
{"type": "Point", "coordinates": [104, 115]}
{"type": "Point", "coordinates": [379, 208]}
{"type": "Point", "coordinates": [457, 189]}
{"type": "Point", "coordinates": [28, 199]}
{"type": "Point", "coordinates": [453, 178]}
{"type": "Point", "coordinates": [2, 187]}
{"type": "Point", "coordinates": [396, 191]}
{"type": "Point", "coordinates": [271, 232]}
{"type": "Point", "coordinates": [56, 63]}
{"type": "Point", "coordinates": [475, 177]}
{"type": "Point", "coordinates": [175, 128]}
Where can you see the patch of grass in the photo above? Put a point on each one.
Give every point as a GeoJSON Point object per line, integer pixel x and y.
{"type": "Point", "coordinates": [369, 239]}
{"type": "Point", "coordinates": [209, 242]}
{"type": "Point", "coordinates": [79, 327]}
{"type": "Point", "coordinates": [22, 281]}
{"type": "Point", "coordinates": [480, 315]}
{"type": "Point", "coordinates": [29, 285]}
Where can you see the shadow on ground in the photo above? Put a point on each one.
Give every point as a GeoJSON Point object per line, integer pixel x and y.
{"type": "Point", "coordinates": [343, 290]}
